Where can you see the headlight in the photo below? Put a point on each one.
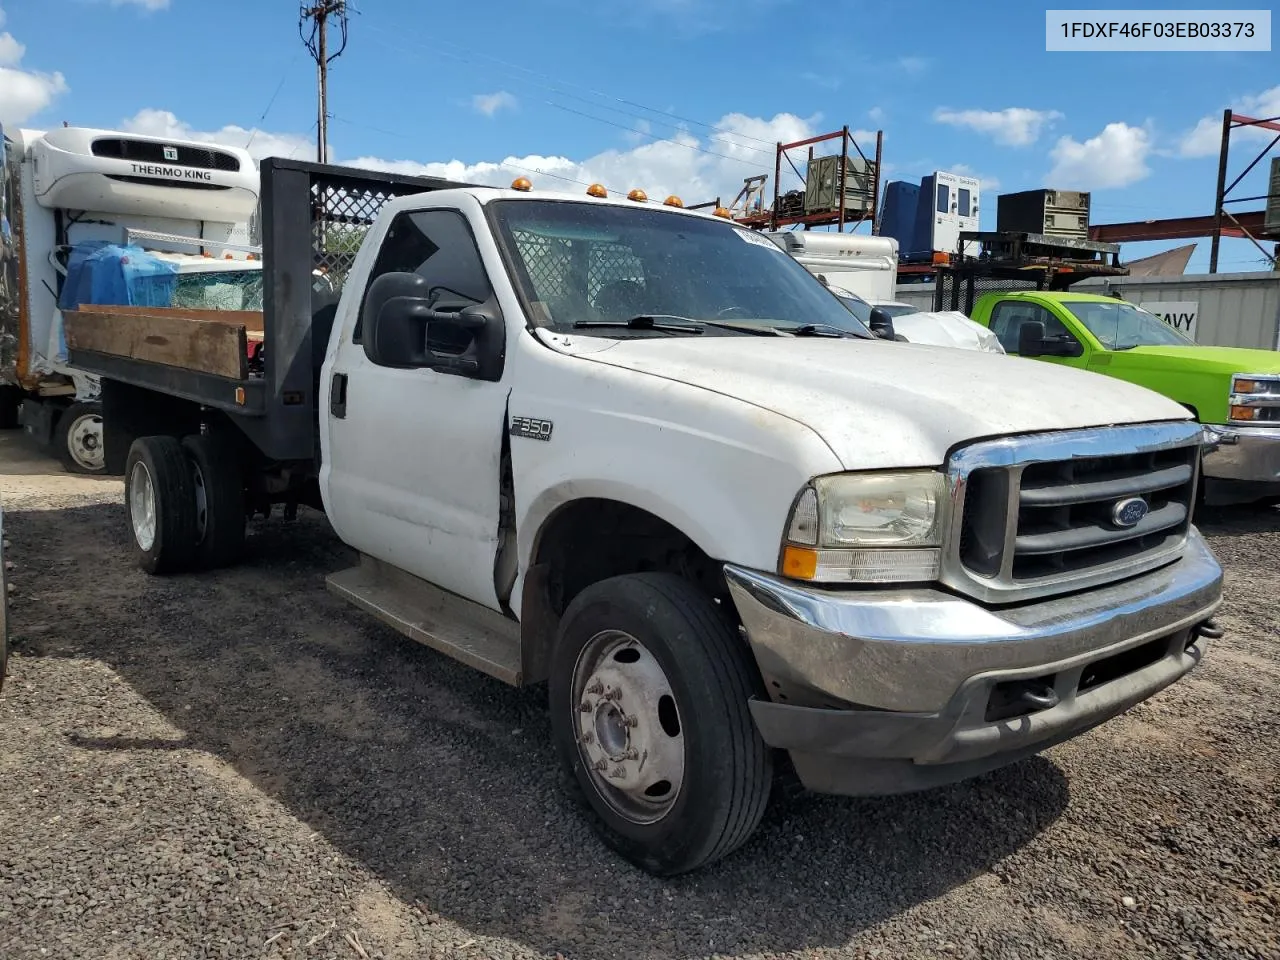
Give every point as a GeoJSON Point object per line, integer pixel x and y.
{"type": "Point", "coordinates": [867, 528]}
{"type": "Point", "coordinates": [1255, 399]}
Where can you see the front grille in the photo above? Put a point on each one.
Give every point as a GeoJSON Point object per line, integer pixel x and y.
{"type": "Point", "coordinates": [147, 151]}
{"type": "Point", "coordinates": [1045, 514]}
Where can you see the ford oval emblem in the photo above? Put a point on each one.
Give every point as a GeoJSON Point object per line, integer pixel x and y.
{"type": "Point", "coordinates": [1129, 512]}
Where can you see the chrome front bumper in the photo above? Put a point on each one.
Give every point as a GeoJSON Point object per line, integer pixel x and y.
{"type": "Point", "coordinates": [1242, 453]}
{"type": "Point", "coordinates": [878, 691]}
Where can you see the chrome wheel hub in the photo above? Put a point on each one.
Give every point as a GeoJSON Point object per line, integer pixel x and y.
{"type": "Point", "coordinates": [142, 506]}
{"type": "Point", "coordinates": [629, 730]}
{"type": "Point", "coordinates": [84, 442]}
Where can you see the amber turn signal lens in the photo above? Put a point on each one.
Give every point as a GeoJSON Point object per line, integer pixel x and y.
{"type": "Point", "coordinates": [799, 563]}
{"type": "Point", "coordinates": [521, 183]}
{"type": "Point", "coordinates": [1244, 413]}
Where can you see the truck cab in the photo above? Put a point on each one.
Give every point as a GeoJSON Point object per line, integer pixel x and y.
{"type": "Point", "coordinates": [1234, 392]}
{"type": "Point", "coordinates": [639, 454]}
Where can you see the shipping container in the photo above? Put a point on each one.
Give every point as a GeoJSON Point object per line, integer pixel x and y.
{"type": "Point", "coordinates": [1060, 213]}
{"type": "Point", "coordinates": [1216, 310]}
{"type": "Point", "coordinates": [822, 195]}
{"type": "Point", "coordinates": [1271, 219]}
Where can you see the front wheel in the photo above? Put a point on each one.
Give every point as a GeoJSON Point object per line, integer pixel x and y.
{"type": "Point", "coordinates": [79, 439]}
{"type": "Point", "coordinates": [648, 693]}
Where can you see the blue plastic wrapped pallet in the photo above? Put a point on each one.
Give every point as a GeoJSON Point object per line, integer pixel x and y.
{"type": "Point", "coordinates": [109, 274]}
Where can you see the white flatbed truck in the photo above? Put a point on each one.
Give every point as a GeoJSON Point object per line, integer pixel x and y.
{"type": "Point", "coordinates": [639, 454]}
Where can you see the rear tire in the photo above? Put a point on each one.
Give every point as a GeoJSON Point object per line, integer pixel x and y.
{"type": "Point", "coordinates": [79, 439]}
{"type": "Point", "coordinates": [159, 499]}
{"type": "Point", "coordinates": [219, 497]}
{"type": "Point", "coordinates": [10, 407]}
{"type": "Point", "coordinates": [667, 759]}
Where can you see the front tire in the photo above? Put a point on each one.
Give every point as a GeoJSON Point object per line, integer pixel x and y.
{"type": "Point", "coordinates": [79, 439]}
{"type": "Point", "coordinates": [159, 499]}
{"type": "Point", "coordinates": [649, 690]}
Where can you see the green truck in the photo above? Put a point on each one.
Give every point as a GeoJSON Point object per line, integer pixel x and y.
{"type": "Point", "coordinates": [1233, 392]}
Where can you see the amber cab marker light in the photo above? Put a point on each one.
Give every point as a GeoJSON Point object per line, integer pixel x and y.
{"type": "Point", "coordinates": [597, 190]}
{"type": "Point", "coordinates": [638, 195]}
{"type": "Point", "coordinates": [673, 201]}
{"type": "Point", "coordinates": [722, 212]}
{"type": "Point", "coordinates": [521, 183]}
{"type": "Point", "coordinates": [799, 563]}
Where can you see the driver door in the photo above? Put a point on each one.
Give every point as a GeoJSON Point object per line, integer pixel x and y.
{"type": "Point", "coordinates": [412, 456]}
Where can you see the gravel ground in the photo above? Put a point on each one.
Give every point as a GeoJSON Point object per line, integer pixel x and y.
{"type": "Point", "coordinates": [238, 765]}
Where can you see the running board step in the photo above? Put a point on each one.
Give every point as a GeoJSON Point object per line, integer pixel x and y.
{"type": "Point", "coordinates": [475, 635]}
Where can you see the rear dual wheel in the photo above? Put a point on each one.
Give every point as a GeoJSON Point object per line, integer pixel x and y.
{"type": "Point", "coordinates": [185, 503]}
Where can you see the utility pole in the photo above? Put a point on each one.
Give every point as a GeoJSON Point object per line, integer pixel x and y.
{"type": "Point", "coordinates": [316, 17]}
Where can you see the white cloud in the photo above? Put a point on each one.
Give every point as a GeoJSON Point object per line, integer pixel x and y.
{"type": "Point", "coordinates": [23, 93]}
{"type": "Point", "coordinates": [1012, 126]}
{"type": "Point", "coordinates": [1205, 138]}
{"type": "Point", "coordinates": [11, 50]}
{"type": "Point", "coordinates": [913, 65]}
{"type": "Point", "coordinates": [696, 169]}
{"type": "Point", "coordinates": [491, 103]}
{"type": "Point", "coordinates": [260, 143]}
{"type": "Point", "coordinates": [1116, 157]}
{"type": "Point", "coordinates": [876, 114]}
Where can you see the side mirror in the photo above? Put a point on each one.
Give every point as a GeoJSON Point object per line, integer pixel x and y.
{"type": "Point", "coordinates": [1033, 343]}
{"type": "Point", "coordinates": [397, 316]}
{"type": "Point", "coordinates": [881, 324]}
{"type": "Point", "coordinates": [1031, 339]}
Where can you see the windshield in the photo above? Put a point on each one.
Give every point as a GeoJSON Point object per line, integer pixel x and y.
{"type": "Point", "coordinates": [857, 306]}
{"type": "Point", "coordinates": [221, 290]}
{"type": "Point", "coordinates": [1122, 326]}
{"type": "Point", "coordinates": [578, 265]}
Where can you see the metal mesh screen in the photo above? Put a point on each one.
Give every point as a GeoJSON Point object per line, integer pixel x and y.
{"type": "Point", "coordinates": [342, 213]}
{"type": "Point", "coordinates": [951, 284]}
{"type": "Point", "coordinates": [561, 269]}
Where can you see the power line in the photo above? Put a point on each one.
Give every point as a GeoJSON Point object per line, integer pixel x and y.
{"type": "Point", "coordinates": [469, 59]}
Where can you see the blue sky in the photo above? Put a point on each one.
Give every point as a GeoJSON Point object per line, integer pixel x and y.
{"type": "Point", "coordinates": [487, 91]}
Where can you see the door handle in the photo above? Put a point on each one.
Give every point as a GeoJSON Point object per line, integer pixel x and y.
{"type": "Point", "coordinates": [338, 396]}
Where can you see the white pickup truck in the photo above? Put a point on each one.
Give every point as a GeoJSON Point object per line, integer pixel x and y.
{"type": "Point", "coordinates": [640, 454]}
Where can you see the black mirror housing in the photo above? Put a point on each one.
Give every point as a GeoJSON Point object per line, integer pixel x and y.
{"type": "Point", "coordinates": [398, 314]}
{"type": "Point", "coordinates": [1031, 339]}
{"type": "Point", "coordinates": [881, 324]}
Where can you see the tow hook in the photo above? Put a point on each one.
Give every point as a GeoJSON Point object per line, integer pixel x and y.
{"type": "Point", "coordinates": [1209, 629]}
{"type": "Point", "coordinates": [1036, 694]}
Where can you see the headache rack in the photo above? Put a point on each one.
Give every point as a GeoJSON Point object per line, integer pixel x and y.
{"type": "Point", "coordinates": [1049, 513]}
{"type": "Point", "coordinates": [260, 369]}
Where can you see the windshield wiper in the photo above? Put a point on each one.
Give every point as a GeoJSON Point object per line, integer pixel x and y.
{"type": "Point", "coordinates": [818, 330]}
{"type": "Point", "coordinates": [646, 321]}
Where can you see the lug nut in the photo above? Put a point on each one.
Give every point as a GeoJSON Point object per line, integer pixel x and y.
{"type": "Point", "coordinates": [600, 765]}
{"type": "Point", "coordinates": [631, 721]}
{"type": "Point", "coordinates": [632, 754]}
{"type": "Point", "coordinates": [584, 707]}
{"type": "Point", "coordinates": [585, 738]}
{"type": "Point", "coordinates": [596, 689]}
{"type": "Point", "coordinates": [617, 773]}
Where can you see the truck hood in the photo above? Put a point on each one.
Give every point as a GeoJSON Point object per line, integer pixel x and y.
{"type": "Point", "coordinates": [884, 404]}
{"type": "Point", "coordinates": [1223, 360]}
